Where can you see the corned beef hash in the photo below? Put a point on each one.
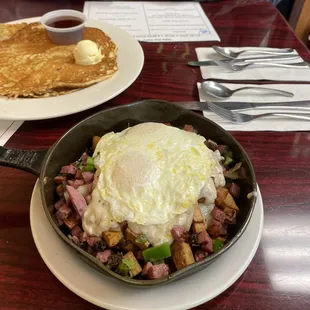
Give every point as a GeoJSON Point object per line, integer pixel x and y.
{"type": "Point", "coordinates": [149, 200]}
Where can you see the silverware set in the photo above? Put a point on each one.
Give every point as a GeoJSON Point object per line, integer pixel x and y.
{"type": "Point", "coordinates": [226, 52]}
{"type": "Point", "coordinates": [234, 111]}
{"type": "Point", "coordinates": [233, 63]}
{"type": "Point", "coordinates": [239, 118]}
{"type": "Point", "coordinates": [238, 61]}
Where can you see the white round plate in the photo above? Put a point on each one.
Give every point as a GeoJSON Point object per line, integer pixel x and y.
{"type": "Point", "coordinates": [108, 293]}
{"type": "Point", "coordinates": [130, 59]}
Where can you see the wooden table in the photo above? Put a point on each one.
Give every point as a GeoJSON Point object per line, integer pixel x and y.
{"type": "Point", "coordinates": [279, 275]}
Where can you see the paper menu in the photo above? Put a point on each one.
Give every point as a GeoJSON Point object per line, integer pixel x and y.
{"type": "Point", "coordinates": [155, 21]}
{"type": "Point", "coordinates": [7, 129]}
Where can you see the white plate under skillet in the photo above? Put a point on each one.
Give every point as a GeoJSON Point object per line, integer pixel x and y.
{"type": "Point", "coordinates": [109, 293]}
{"type": "Point", "coordinates": [130, 60]}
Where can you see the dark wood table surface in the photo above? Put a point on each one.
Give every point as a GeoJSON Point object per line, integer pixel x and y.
{"type": "Point", "coordinates": [279, 275]}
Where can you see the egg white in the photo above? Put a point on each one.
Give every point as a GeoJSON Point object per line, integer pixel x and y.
{"type": "Point", "coordinates": [151, 175]}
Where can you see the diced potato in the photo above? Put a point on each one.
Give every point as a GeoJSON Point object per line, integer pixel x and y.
{"type": "Point", "coordinates": [221, 239]}
{"type": "Point", "coordinates": [128, 246]}
{"type": "Point", "coordinates": [71, 221]}
{"type": "Point", "coordinates": [199, 227]}
{"type": "Point", "coordinates": [229, 202]}
{"type": "Point", "coordinates": [112, 238]}
{"type": "Point", "coordinates": [197, 217]}
{"type": "Point", "coordinates": [136, 268]}
{"type": "Point", "coordinates": [95, 141]}
{"type": "Point", "coordinates": [60, 190]}
{"type": "Point", "coordinates": [132, 236]}
{"type": "Point", "coordinates": [230, 215]}
{"type": "Point", "coordinates": [221, 195]}
{"type": "Point", "coordinates": [182, 254]}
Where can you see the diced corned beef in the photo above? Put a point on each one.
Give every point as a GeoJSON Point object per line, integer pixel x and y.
{"type": "Point", "coordinates": [91, 240]}
{"type": "Point", "coordinates": [88, 176]}
{"type": "Point", "coordinates": [203, 237]}
{"type": "Point", "coordinates": [214, 228]}
{"type": "Point", "coordinates": [178, 233]}
{"type": "Point", "coordinates": [104, 256]}
{"type": "Point", "coordinates": [60, 190]}
{"type": "Point", "coordinates": [71, 221]}
{"type": "Point", "coordinates": [59, 179]}
{"type": "Point", "coordinates": [223, 230]}
{"type": "Point", "coordinates": [84, 157]}
{"type": "Point", "coordinates": [234, 190]}
{"type": "Point", "coordinates": [59, 203]}
{"type": "Point", "coordinates": [77, 183]}
{"type": "Point", "coordinates": [70, 182]}
{"type": "Point", "coordinates": [78, 201]}
{"type": "Point", "coordinates": [139, 255]}
{"type": "Point", "coordinates": [158, 271]}
{"type": "Point", "coordinates": [199, 255]}
{"type": "Point", "coordinates": [83, 237]}
{"type": "Point", "coordinates": [74, 239]}
{"type": "Point", "coordinates": [63, 212]}
{"type": "Point", "coordinates": [207, 247]}
{"type": "Point", "coordinates": [218, 214]}
{"type": "Point", "coordinates": [222, 149]}
{"type": "Point", "coordinates": [78, 174]}
{"type": "Point", "coordinates": [70, 169]}
{"type": "Point", "coordinates": [90, 250]}
{"type": "Point", "coordinates": [146, 268]}
{"type": "Point", "coordinates": [88, 199]}
{"type": "Point", "coordinates": [189, 128]}
{"type": "Point", "coordinates": [60, 222]}
{"type": "Point", "coordinates": [67, 197]}
{"type": "Point", "coordinates": [83, 189]}
{"type": "Point", "coordinates": [76, 231]}
{"type": "Point", "coordinates": [230, 215]}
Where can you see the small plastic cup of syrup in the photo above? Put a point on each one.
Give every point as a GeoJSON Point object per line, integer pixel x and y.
{"type": "Point", "coordinates": [64, 27]}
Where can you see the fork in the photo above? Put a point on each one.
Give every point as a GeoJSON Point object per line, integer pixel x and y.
{"type": "Point", "coordinates": [237, 67]}
{"type": "Point", "coordinates": [239, 118]}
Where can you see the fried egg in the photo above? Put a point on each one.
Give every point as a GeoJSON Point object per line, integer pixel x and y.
{"type": "Point", "coordinates": [151, 175]}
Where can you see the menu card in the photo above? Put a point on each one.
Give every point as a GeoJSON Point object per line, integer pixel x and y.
{"type": "Point", "coordinates": [155, 21]}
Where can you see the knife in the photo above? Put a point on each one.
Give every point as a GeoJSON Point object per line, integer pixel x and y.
{"type": "Point", "coordinates": [237, 105]}
{"type": "Point", "coordinates": [242, 61]}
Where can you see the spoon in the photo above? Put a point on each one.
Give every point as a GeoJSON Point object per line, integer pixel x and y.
{"type": "Point", "coordinates": [220, 91]}
{"type": "Point", "coordinates": [226, 52]}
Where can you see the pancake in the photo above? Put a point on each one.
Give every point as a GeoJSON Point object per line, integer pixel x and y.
{"type": "Point", "coordinates": [31, 65]}
{"type": "Point", "coordinates": [8, 30]}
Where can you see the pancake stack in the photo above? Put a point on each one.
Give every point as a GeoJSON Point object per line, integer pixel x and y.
{"type": "Point", "coordinates": [31, 65]}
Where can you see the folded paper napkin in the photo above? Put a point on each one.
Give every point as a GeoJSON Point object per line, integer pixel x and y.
{"type": "Point", "coordinates": [301, 92]}
{"type": "Point", "coordinates": [255, 73]}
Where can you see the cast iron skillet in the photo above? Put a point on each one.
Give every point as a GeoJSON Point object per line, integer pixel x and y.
{"type": "Point", "coordinates": [47, 163]}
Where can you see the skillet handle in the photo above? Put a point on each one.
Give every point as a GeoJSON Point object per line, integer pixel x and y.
{"type": "Point", "coordinates": [30, 161]}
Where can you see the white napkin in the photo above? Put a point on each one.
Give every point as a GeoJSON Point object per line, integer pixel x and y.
{"type": "Point", "coordinates": [256, 73]}
{"type": "Point", "coordinates": [301, 92]}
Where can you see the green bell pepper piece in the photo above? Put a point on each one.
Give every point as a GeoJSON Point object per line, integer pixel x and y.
{"type": "Point", "coordinates": [217, 245]}
{"type": "Point", "coordinates": [228, 158]}
{"type": "Point", "coordinates": [157, 253]}
{"type": "Point", "coordinates": [89, 161]}
{"type": "Point", "coordinates": [89, 168]}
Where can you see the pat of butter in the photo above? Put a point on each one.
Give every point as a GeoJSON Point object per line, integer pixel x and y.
{"type": "Point", "coordinates": [87, 53]}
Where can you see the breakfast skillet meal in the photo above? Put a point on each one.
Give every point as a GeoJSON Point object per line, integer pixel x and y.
{"type": "Point", "coordinates": [149, 200]}
{"type": "Point", "coordinates": [31, 65]}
